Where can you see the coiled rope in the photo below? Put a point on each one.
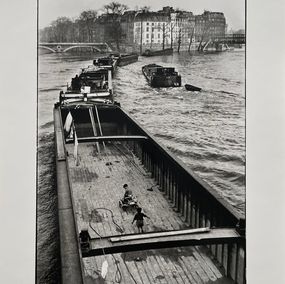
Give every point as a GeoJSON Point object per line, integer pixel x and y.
{"type": "Point", "coordinates": [118, 274]}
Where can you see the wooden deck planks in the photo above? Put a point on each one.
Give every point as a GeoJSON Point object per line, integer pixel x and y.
{"type": "Point", "coordinates": [143, 274]}
{"type": "Point", "coordinates": [168, 270]}
{"type": "Point", "coordinates": [205, 268]}
{"type": "Point", "coordinates": [160, 276]}
{"type": "Point", "coordinates": [187, 272]}
{"type": "Point", "coordinates": [153, 276]}
{"type": "Point", "coordinates": [97, 182]}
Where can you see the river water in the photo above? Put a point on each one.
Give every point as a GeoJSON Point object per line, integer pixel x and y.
{"type": "Point", "coordinates": [206, 129]}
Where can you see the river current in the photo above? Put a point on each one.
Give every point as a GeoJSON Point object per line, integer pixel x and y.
{"type": "Point", "coordinates": [206, 129]}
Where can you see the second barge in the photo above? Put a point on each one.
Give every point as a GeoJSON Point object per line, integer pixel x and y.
{"type": "Point", "coordinates": [166, 51]}
{"type": "Point", "coordinates": [125, 58]}
{"type": "Point", "coordinates": [159, 76]}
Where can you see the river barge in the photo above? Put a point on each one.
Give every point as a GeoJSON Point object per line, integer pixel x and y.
{"type": "Point", "coordinates": [125, 58]}
{"type": "Point", "coordinates": [166, 51]}
{"type": "Point", "coordinates": [107, 63]}
{"type": "Point", "coordinates": [193, 235]}
{"type": "Point", "coordinates": [91, 79]}
{"type": "Point", "coordinates": [159, 76]}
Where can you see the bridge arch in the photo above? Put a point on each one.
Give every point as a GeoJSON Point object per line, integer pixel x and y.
{"type": "Point", "coordinates": [79, 46]}
{"type": "Point", "coordinates": [46, 47]}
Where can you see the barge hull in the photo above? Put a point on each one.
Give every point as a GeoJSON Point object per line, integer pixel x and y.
{"type": "Point", "coordinates": [127, 59]}
{"type": "Point", "coordinates": [171, 194]}
{"type": "Point", "coordinates": [167, 51]}
{"type": "Point", "coordinates": [71, 271]}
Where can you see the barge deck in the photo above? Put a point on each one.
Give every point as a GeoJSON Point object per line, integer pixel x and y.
{"type": "Point", "coordinates": [99, 148]}
{"type": "Point", "coordinates": [97, 186]}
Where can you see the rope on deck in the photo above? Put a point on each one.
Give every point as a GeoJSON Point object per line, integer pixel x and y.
{"type": "Point", "coordinates": [118, 274]}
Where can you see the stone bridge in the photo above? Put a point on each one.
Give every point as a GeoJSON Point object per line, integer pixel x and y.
{"type": "Point", "coordinates": [65, 47]}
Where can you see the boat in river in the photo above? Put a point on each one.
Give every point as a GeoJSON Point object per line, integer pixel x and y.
{"type": "Point", "coordinates": [125, 58]}
{"type": "Point", "coordinates": [107, 63]}
{"type": "Point", "coordinates": [192, 235]}
{"type": "Point", "coordinates": [159, 76]}
{"type": "Point", "coordinates": [192, 88]}
{"type": "Point", "coordinates": [92, 79]}
{"type": "Point", "coordinates": [149, 52]}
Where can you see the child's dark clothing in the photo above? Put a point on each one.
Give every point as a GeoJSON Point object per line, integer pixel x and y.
{"type": "Point", "coordinates": [139, 219]}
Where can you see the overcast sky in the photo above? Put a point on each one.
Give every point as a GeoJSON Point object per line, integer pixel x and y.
{"type": "Point", "coordinates": [234, 10]}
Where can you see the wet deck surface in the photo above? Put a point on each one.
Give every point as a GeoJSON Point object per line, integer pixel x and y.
{"type": "Point", "coordinates": [97, 187]}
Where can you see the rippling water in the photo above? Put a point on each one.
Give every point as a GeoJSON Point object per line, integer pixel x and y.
{"type": "Point", "coordinates": [206, 129]}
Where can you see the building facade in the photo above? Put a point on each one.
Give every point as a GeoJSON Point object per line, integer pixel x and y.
{"type": "Point", "coordinates": [140, 30]}
{"type": "Point", "coordinates": [210, 25]}
{"type": "Point", "coordinates": [127, 27]}
{"type": "Point", "coordinates": [182, 27]}
{"type": "Point", "coordinates": [151, 29]}
{"type": "Point", "coordinates": [102, 25]}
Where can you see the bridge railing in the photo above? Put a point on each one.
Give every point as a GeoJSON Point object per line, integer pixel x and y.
{"type": "Point", "coordinates": [66, 46]}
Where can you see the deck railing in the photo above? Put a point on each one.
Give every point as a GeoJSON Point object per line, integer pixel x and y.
{"type": "Point", "coordinates": [198, 204]}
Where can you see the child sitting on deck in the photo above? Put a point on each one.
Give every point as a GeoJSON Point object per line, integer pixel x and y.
{"type": "Point", "coordinates": [128, 196]}
{"type": "Point", "coordinates": [139, 219]}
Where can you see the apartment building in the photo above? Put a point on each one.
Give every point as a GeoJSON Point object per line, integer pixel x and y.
{"type": "Point", "coordinates": [161, 29]}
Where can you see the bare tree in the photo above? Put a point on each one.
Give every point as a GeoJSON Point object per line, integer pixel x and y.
{"type": "Point", "coordinates": [190, 36]}
{"type": "Point", "coordinates": [151, 36]}
{"type": "Point", "coordinates": [114, 11]}
{"type": "Point", "coordinates": [61, 29]}
{"type": "Point", "coordinates": [46, 34]}
{"type": "Point", "coordinates": [80, 34]}
{"type": "Point", "coordinates": [87, 21]}
{"type": "Point", "coordinates": [164, 30]}
{"type": "Point", "coordinates": [203, 35]}
{"type": "Point", "coordinates": [163, 36]}
{"type": "Point", "coordinates": [167, 30]}
{"type": "Point", "coordinates": [115, 8]}
{"type": "Point", "coordinates": [145, 9]}
{"type": "Point", "coordinates": [171, 28]}
{"type": "Point", "coordinates": [179, 39]}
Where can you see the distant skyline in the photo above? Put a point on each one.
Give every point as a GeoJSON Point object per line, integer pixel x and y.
{"type": "Point", "coordinates": [234, 10]}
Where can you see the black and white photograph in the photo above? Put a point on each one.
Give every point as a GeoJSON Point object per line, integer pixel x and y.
{"type": "Point", "coordinates": [141, 142]}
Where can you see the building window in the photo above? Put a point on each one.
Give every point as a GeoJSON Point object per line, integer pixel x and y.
{"type": "Point", "coordinates": [147, 41]}
{"type": "Point", "coordinates": [158, 35]}
{"type": "Point", "coordinates": [147, 24]}
{"type": "Point", "coordinates": [152, 29]}
{"type": "Point", "coordinates": [152, 24]}
{"type": "Point", "coordinates": [147, 35]}
{"type": "Point", "coordinates": [147, 29]}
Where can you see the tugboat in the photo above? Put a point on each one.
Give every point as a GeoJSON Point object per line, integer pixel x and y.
{"type": "Point", "coordinates": [159, 76]}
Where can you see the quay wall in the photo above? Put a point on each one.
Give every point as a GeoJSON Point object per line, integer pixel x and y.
{"type": "Point", "coordinates": [197, 203]}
